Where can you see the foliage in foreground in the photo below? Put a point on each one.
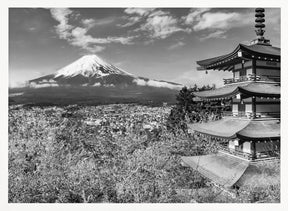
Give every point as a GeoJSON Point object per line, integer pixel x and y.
{"type": "Point", "coordinates": [56, 159]}
{"type": "Point", "coordinates": [54, 156]}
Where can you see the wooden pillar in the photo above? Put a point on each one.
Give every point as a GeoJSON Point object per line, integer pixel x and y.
{"type": "Point", "coordinates": [254, 68]}
{"type": "Point", "coordinates": [253, 107]}
{"type": "Point", "coordinates": [254, 98]}
{"type": "Point", "coordinates": [253, 146]}
{"type": "Point", "coordinates": [242, 71]}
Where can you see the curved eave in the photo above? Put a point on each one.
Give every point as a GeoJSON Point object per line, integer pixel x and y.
{"type": "Point", "coordinates": [225, 61]}
{"type": "Point", "coordinates": [225, 128]}
{"type": "Point", "coordinates": [223, 92]}
{"type": "Point", "coordinates": [249, 89]}
{"type": "Point", "coordinates": [260, 130]}
{"type": "Point", "coordinates": [228, 171]}
{"type": "Point", "coordinates": [223, 169]}
{"type": "Point", "coordinates": [262, 50]}
{"type": "Point", "coordinates": [208, 63]}
{"type": "Point", "coordinates": [261, 90]}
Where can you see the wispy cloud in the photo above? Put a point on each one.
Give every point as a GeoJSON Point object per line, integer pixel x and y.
{"type": "Point", "coordinates": [32, 28]}
{"type": "Point", "coordinates": [218, 20]}
{"type": "Point", "coordinates": [214, 24]}
{"type": "Point", "coordinates": [78, 35]}
{"type": "Point", "coordinates": [61, 15]}
{"type": "Point", "coordinates": [139, 11]}
{"type": "Point", "coordinates": [161, 24]}
{"type": "Point", "coordinates": [89, 23]}
{"type": "Point", "coordinates": [215, 34]}
{"type": "Point", "coordinates": [176, 45]}
{"type": "Point", "coordinates": [194, 15]}
{"type": "Point", "coordinates": [135, 15]}
{"type": "Point", "coordinates": [152, 23]}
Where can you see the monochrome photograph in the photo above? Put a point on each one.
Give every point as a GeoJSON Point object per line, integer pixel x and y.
{"type": "Point", "coordinates": [144, 105]}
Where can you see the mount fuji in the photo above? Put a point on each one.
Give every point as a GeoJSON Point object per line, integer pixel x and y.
{"type": "Point", "coordinates": [92, 81]}
{"type": "Point", "coordinates": [91, 70]}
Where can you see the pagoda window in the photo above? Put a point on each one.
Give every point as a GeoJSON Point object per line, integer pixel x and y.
{"type": "Point", "coordinates": [249, 71]}
{"type": "Point", "coordinates": [241, 107]}
{"type": "Point", "coordinates": [248, 108]}
{"type": "Point", "coordinates": [231, 144]}
{"type": "Point", "coordinates": [236, 74]}
{"type": "Point", "coordinates": [243, 72]}
{"type": "Point", "coordinates": [247, 147]}
{"type": "Point", "coordinates": [235, 108]}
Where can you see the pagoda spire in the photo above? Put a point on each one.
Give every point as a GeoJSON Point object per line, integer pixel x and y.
{"type": "Point", "coordinates": [260, 26]}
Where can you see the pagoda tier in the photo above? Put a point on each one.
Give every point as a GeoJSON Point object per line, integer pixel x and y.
{"type": "Point", "coordinates": [225, 128]}
{"type": "Point", "coordinates": [260, 130]}
{"type": "Point", "coordinates": [257, 89]}
{"type": "Point", "coordinates": [244, 129]}
{"type": "Point", "coordinates": [239, 55]}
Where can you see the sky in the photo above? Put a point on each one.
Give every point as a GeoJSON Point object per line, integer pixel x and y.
{"type": "Point", "coordinates": [158, 43]}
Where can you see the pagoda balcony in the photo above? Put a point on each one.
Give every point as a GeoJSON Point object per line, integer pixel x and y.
{"type": "Point", "coordinates": [258, 156]}
{"type": "Point", "coordinates": [252, 77]}
{"type": "Point", "coordinates": [249, 115]}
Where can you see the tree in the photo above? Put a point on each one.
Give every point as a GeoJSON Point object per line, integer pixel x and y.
{"type": "Point", "coordinates": [189, 109]}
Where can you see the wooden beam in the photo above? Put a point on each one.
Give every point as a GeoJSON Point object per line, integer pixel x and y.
{"type": "Point", "coordinates": [254, 67]}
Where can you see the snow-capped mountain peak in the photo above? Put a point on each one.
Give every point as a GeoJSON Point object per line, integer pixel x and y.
{"type": "Point", "coordinates": [89, 66]}
{"type": "Point", "coordinates": [91, 71]}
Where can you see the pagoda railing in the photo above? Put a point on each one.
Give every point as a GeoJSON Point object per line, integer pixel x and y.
{"type": "Point", "coordinates": [250, 115]}
{"type": "Point", "coordinates": [258, 156]}
{"type": "Point", "coordinates": [236, 152]}
{"type": "Point", "coordinates": [252, 77]}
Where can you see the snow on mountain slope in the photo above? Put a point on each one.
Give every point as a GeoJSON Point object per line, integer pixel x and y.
{"type": "Point", "coordinates": [89, 66]}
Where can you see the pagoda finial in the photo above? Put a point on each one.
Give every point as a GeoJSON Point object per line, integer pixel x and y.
{"type": "Point", "coordinates": [260, 22]}
{"type": "Point", "coordinates": [259, 25]}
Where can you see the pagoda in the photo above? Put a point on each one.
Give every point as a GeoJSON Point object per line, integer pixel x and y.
{"type": "Point", "coordinates": [249, 134]}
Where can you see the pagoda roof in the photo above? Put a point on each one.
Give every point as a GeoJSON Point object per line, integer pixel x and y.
{"type": "Point", "coordinates": [220, 168]}
{"type": "Point", "coordinates": [261, 90]}
{"type": "Point", "coordinates": [260, 129]}
{"type": "Point", "coordinates": [231, 127]}
{"type": "Point", "coordinates": [248, 88]}
{"type": "Point", "coordinates": [223, 128]}
{"type": "Point", "coordinates": [267, 50]}
{"type": "Point", "coordinates": [248, 52]}
{"type": "Point", "coordinates": [227, 170]}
